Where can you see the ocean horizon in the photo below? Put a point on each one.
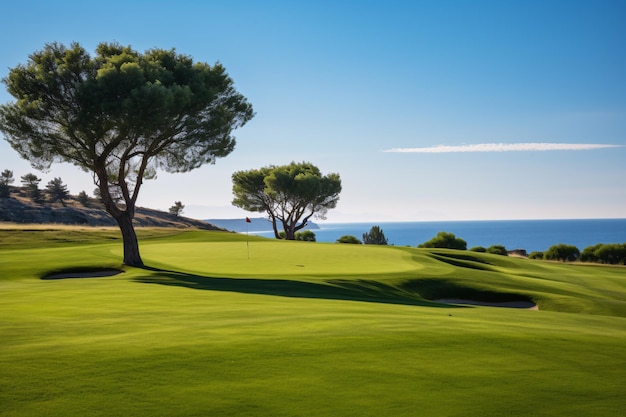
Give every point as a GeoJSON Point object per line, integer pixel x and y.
{"type": "Point", "coordinates": [530, 235]}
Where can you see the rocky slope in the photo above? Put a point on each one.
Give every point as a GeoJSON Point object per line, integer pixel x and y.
{"type": "Point", "coordinates": [18, 208]}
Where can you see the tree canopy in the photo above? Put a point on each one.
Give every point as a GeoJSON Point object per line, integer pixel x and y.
{"type": "Point", "coordinates": [289, 194]}
{"type": "Point", "coordinates": [121, 115]}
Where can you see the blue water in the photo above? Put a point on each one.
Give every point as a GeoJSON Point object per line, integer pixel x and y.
{"type": "Point", "coordinates": [531, 235]}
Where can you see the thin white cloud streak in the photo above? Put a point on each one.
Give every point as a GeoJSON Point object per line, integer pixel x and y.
{"type": "Point", "coordinates": [505, 147]}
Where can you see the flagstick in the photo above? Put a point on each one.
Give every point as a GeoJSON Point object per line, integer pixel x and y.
{"type": "Point", "coordinates": [247, 238]}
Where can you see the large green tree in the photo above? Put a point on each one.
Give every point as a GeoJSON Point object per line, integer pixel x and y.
{"type": "Point", "coordinates": [289, 194]}
{"type": "Point", "coordinates": [121, 115]}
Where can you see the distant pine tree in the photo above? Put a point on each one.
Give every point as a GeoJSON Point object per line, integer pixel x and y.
{"type": "Point", "coordinates": [30, 184]}
{"type": "Point", "coordinates": [57, 191]}
{"type": "Point", "coordinates": [83, 198]}
{"type": "Point", "coordinates": [177, 208]}
{"type": "Point", "coordinates": [6, 178]}
{"type": "Point", "coordinates": [375, 237]}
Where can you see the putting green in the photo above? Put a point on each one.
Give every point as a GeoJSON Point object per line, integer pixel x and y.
{"type": "Point", "coordinates": [269, 258]}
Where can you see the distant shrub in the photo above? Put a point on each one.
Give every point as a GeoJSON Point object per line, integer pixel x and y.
{"type": "Point", "coordinates": [497, 250]}
{"type": "Point", "coordinates": [562, 252]}
{"type": "Point", "coordinates": [478, 249]}
{"type": "Point", "coordinates": [535, 255]}
{"type": "Point", "coordinates": [305, 235]}
{"type": "Point", "coordinates": [589, 253]}
{"type": "Point", "coordinates": [445, 240]}
{"type": "Point", "coordinates": [349, 239]}
{"type": "Point", "coordinates": [611, 253]}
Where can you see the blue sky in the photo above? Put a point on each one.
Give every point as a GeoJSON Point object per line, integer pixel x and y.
{"type": "Point", "coordinates": [429, 110]}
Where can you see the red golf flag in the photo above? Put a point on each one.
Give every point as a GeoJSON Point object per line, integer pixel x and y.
{"type": "Point", "coordinates": [248, 220]}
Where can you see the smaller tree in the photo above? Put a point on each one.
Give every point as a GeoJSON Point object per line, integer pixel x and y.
{"type": "Point", "coordinates": [6, 178]}
{"type": "Point", "coordinates": [57, 191]}
{"type": "Point", "coordinates": [445, 240]}
{"type": "Point", "coordinates": [83, 198]}
{"type": "Point", "coordinates": [30, 180]}
{"type": "Point", "coordinates": [177, 208]}
{"type": "Point", "coordinates": [349, 239]}
{"type": "Point", "coordinates": [374, 237]}
{"type": "Point", "coordinates": [535, 255]}
{"type": "Point", "coordinates": [30, 184]}
{"type": "Point", "coordinates": [289, 194]}
{"type": "Point", "coordinates": [562, 252]}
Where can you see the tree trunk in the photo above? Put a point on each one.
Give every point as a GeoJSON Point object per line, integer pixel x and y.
{"type": "Point", "coordinates": [131, 245]}
{"type": "Point", "coordinates": [274, 227]}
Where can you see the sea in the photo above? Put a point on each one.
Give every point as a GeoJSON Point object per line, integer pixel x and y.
{"type": "Point", "coordinates": [530, 235]}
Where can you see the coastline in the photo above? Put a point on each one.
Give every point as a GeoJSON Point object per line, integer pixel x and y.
{"type": "Point", "coordinates": [530, 235]}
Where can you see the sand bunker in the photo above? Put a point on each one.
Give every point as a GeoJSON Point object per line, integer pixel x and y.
{"type": "Point", "coordinates": [84, 274]}
{"type": "Point", "coordinates": [528, 305]}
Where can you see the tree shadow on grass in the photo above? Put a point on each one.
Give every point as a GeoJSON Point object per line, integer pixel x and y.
{"type": "Point", "coordinates": [349, 290]}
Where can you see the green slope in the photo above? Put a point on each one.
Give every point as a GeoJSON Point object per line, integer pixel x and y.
{"type": "Point", "coordinates": [304, 329]}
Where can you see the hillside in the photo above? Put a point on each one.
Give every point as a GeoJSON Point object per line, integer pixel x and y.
{"type": "Point", "coordinates": [19, 208]}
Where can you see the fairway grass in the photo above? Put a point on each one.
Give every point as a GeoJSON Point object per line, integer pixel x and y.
{"type": "Point", "coordinates": [304, 329]}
